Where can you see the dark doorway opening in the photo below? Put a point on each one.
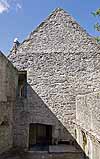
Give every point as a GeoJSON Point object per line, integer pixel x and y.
{"type": "Point", "coordinates": [40, 135]}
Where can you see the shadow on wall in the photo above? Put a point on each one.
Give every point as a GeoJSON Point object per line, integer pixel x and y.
{"type": "Point", "coordinates": [41, 116]}
{"type": "Point", "coordinates": [37, 125]}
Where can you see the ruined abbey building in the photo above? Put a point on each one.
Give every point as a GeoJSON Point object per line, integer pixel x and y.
{"type": "Point", "coordinates": [52, 97]}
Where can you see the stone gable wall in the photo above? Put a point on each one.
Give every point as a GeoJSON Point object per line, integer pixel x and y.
{"type": "Point", "coordinates": [8, 83]}
{"type": "Point", "coordinates": [62, 61]}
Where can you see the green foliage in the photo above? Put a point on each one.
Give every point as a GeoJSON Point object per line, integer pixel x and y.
{"type": "Point", "coordinates": [96, 13]}
{"type": "Point", "coordinates": [97, 25]}
{"type": "Point", "coordinates": [97, 39]}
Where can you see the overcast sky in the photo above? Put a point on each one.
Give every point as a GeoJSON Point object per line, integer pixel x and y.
{"type": "Point", "coordinates": [19, 17]}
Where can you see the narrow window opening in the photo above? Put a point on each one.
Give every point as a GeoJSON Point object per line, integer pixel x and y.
{"type": "Point", "coordinates": [22, 84]}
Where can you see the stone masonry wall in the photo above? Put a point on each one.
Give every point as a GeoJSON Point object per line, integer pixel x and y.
{"type": "Point", "coordinates": [90, 144]}
{"type": "Point", "coordinates": [88, 111]}
{"type": "Point", "coordinates": [62, 61]}
{"type": "Point", "coordinates": [8, 83]}
{"type": "Point", "coordinates": [88, 121]}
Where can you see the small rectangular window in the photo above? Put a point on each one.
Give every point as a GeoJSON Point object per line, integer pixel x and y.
{"type": "Point", "coordinates": [22, 84]}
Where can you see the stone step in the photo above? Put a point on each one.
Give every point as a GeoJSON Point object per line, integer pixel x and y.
{"type": "Point", "coordinates": [57, 152]}
{"type": "Point", "coordinates": [45, 156]}
{"type": "Point", "coordinates": [54, 152]}
{"type": "Point", "coordinates": [67, 155]}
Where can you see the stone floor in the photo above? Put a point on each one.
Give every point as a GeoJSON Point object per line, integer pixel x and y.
{"type": "Point", "coordinates": [55, 152]}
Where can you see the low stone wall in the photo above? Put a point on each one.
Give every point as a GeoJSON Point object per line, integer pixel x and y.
{"type": "Point", "coordinates": [88, 111]}
{"type": "Point", "coordinates": [88, 142]}
{"type": "Point", "coordinates": [88, 123]}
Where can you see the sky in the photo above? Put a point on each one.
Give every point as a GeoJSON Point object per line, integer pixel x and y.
{"type": "Point", "coordinates": [19, 17]}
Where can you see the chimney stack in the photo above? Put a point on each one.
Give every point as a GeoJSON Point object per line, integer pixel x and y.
{"type": "Point", "coordinates": [15, 44]}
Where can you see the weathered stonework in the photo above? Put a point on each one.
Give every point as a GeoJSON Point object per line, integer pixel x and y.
{"type": "Point", "coordinates": [61, 60]}
{"type": "Point", "coordinates": [63, 85]}
{"type": "Point", "coordinates": [88, 121]}
{"type": "Point", "coordinates": [8, 85]}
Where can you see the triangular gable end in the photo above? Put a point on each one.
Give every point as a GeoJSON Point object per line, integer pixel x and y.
{"type": "Point", "coordinates": [58, 33]}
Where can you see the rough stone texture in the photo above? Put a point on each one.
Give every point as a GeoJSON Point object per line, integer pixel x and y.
{"type": "Point", "coordinates": [62, 61]}
{"type": "Point", "coordinates": [92, 146]}
{"type": "Point", "coordinates": [88, 111]}
{"type": "Point", "coordinates": [21, 127]}
{"type": "Point", "coordinates": [88, 121]}
{"type": "Point", "coordinates": [8, 84]}
{"type": "Point", "coordinates": [74, 155]}
{"type": "Point", "coordinates": [71, 154]}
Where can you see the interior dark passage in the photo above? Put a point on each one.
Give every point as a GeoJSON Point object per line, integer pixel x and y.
{"type": "Point", "coordinates": [40, 135]}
